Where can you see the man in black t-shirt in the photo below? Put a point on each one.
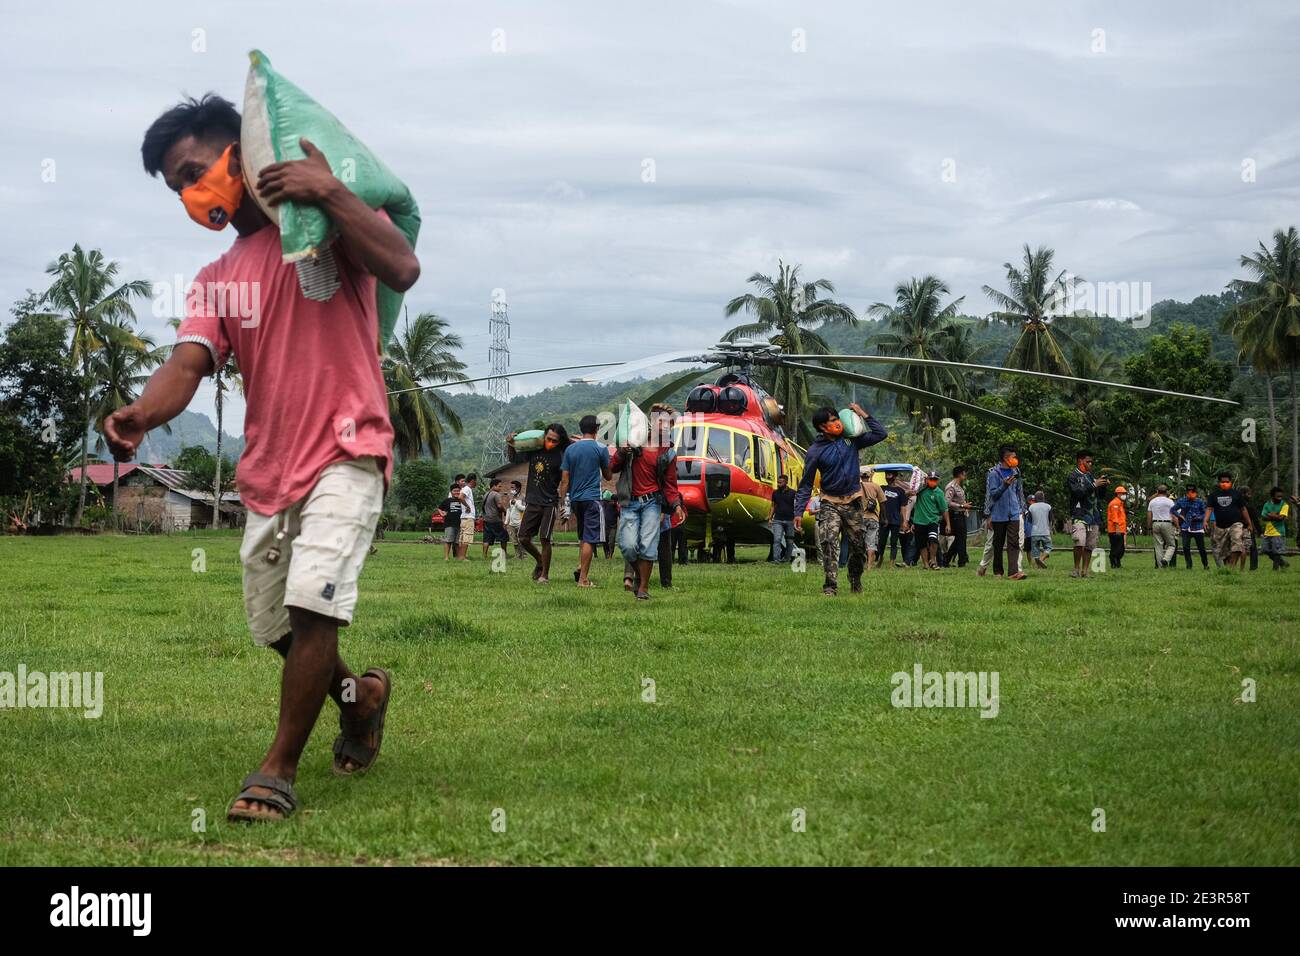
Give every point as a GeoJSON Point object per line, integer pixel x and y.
{"type": "Point", "coordinates": [1232, 524]}
{"type": "Point", "coordinates": [891, 522]}
{"type": "Point", "coordinates": [541, 496]}
{"type": "Point", "coordinates": [451, 509]}
{"type": "Point", "coordinates": [782, 521]}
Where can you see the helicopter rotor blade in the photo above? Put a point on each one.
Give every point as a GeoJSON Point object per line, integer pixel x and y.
{"type": "Point", "coordinates": [998, 369]}
{"type": "Point", "coordinates": [636, 365]}
{"type": "Point", "coordinates": [488, 378]}
{"type": "Point", "coordinates": [941, 400]}
{"type": "Point", "coordinates": [664, 391]}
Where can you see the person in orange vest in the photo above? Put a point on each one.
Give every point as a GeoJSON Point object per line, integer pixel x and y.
{"type": "Point", "coordinates": [1117, 525]}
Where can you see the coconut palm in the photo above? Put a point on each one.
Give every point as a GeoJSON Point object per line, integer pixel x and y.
{"type": "Point", "coordinates": [120, 369]}
{"type": "Point", "coordinates": [86, 294]}
{"type": "Point", "coordinates": [919, 325]}
{"type": "Point", "coordinates": [1033, 299]}
{"type": "Point", "coordinates": [1098, 365]}
{"type": "Point", "coordinates": [222, 380]}
{"type": "Point", "coordinates": [788, 311]}
{"type": "Point", "coordinates": [423, 354]}
{"type": "Point", "coordinates": [1265, 322]}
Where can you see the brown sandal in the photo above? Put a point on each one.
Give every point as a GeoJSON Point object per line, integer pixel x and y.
{"type": "Point", "coordinates": [351, 743]}
{"type": "Point", "coordinates": [281, 797]}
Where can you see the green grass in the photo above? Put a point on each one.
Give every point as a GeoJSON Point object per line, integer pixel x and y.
{"type": "Point", "coordinates": [1121, 692]}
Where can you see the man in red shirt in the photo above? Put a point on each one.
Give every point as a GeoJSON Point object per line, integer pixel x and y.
{"type": "Point", "coordinates": [647, 491]}
{"type": "Point", "coordinates": [318, 440]}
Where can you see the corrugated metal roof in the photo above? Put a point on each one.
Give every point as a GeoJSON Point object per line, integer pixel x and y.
{"type": "Point", "coordinates": [171, 478]}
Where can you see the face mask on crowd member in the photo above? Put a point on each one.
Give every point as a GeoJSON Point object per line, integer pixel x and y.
{"type": "Point", "coordinates": [932, 482]}
{"type": "Point", "coordinates": [834, 428]}
{"type": "Point", "coordinates": [1225, 483]}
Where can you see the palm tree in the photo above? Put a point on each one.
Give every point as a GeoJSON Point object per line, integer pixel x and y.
{"type": "Point", "coordinates": [85, 293]}
{"type": "Point", "coordinates": [1096, 364]}
{"type": "Point", "coordinates": [423, 354]}
{"type": "Point", "coordinates": [1032, 301]}
{"type": "Point", "coordinates": [921, 326]}
{"type": "Point", "coordinates": [222, 379]}
{"type": "Point", "coordinates": [120, 369]}
{"type": "Point", "coordinates": [787, 311]}
{"type": "Point", "coordinates": [1265, 323]}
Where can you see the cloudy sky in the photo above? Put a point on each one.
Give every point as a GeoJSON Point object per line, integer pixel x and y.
{"type": "Point", "coordinates": [868, 141]}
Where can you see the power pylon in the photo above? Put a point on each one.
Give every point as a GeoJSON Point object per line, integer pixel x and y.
{"type": "Point", "coordinates": [494, 451]}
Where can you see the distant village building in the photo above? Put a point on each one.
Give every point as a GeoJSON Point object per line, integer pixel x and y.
{"type": "Point", "coordinates": [156, 498]}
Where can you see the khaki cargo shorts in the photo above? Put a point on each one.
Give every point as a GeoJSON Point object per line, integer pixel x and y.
{"type": "Point", "coordinates": [327, 538]}
{"type": "Point", "coordinates": [1229, 540]}
{"type": "Point", "coordinates": [1084, 535]}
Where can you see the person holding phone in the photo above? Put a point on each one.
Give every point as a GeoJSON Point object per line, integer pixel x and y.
{"type": "Point", "coordinates": [1004, 502]}
{"type": "Point", "coordinates": [1085, 519]}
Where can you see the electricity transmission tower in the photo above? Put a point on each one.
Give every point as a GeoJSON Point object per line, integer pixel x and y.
{"type": "Point", "coordinates": [494, 451]}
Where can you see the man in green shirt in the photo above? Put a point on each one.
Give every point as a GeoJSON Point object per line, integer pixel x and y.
{"type": "Point", "coordinates": [928, 512]}
{"type": "Point", "coordinates": [1274, 516]}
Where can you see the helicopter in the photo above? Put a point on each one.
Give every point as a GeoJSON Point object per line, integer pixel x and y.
{"type": "Point", "coordinates": [731, 439]}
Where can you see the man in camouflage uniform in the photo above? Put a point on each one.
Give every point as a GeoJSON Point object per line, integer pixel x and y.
{"type": "Point", "coordinates": [835, 459]}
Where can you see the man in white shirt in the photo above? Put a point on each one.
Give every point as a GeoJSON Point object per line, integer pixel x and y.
{"type": "Point", "coordinates": [515, 515]}
{"type": "Point", "coordinates": [1040, 534]}
{"type": "Point", "coordinates": [1160, 522]}
{"type": "Point", "coordinates": [467, 519]}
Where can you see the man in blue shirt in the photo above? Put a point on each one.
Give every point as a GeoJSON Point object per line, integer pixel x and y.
{"type": "Point", "coordinates": [1004, 503]}
{"type": "Point", "coordinates": [835, 458]}
{"type": "Point", "coordinates": [584, 464]}
{"type": "Point", "coordinates": [1189, 517]}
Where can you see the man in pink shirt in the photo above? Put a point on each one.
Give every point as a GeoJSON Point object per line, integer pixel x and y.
{"type": "Point", "coordinates": [318, 440]}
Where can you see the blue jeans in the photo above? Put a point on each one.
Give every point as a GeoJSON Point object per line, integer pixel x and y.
{"type": "Point", "coordinates": [782, 541]}
{"type": "Point", "coordinates": [1039, 545]}
{"type": "Point", "coordinates": [638, 530]}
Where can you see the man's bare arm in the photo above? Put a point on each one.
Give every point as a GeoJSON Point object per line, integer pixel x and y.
{"type": "Point", "coordinates": [166, 395]}
{"type": "Point", "coordinates": [370, 241]}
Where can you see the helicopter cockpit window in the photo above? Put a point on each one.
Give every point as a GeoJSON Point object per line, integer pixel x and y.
{"type": "Point", "coordinates": [740, 454]}
{"type": "Point", "coordinates": [702, 399]}
{"type": "Point", "coordinates": [719, 445]}
{"type": "Point", "coordinates": [732, 401]}
{"type": "Point", "coordinates": [763, 464]}
{"type": "Point", "coordinates": [686, 439]}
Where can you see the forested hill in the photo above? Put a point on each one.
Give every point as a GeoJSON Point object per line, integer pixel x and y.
{"type": "Point", "coordinates": [568, 403]}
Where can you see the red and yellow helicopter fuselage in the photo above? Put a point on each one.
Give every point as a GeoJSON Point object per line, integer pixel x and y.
{"type": "Point", "coordinates": [730, 453]}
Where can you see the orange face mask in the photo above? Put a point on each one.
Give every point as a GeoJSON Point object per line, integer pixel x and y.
{"type": "Point", "coordinates": [215, 197]}
{"type": "Point", "coordinates": [1225, 485]}
{"type": "Point", "coordinates": [550, 443]}
{"type": "Point", "coordinates": [1085, 467]}
{"type": "Point", "coordinates": [835, 428]}
{"type": "Point", "coordinates": [1013, 462]}
{"type": "Point", "coordinates": [1191, 495]}
{"type": "Point", "coordinates": [931, 483]}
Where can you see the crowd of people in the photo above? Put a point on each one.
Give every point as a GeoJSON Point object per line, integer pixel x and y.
{"type": "Point", "coordinates": [863, 521]}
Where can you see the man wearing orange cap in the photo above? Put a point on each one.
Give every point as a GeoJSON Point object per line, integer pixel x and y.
{"type": "Point", "coordinates": [1117, 525]}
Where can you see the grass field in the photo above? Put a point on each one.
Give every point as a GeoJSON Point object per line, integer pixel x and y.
{"type": "Point", "coordinates": [1121, 693]}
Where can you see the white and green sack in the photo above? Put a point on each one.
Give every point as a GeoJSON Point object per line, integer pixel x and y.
{"type": "Point", "coordinates": [276, 115]}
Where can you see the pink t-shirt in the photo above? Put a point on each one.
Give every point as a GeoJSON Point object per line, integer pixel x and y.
{"type": "Point", "coordinates": [312, 385]}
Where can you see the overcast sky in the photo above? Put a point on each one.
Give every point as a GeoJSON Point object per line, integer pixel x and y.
{"type": "Point", "coordinates": [868, 141]}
